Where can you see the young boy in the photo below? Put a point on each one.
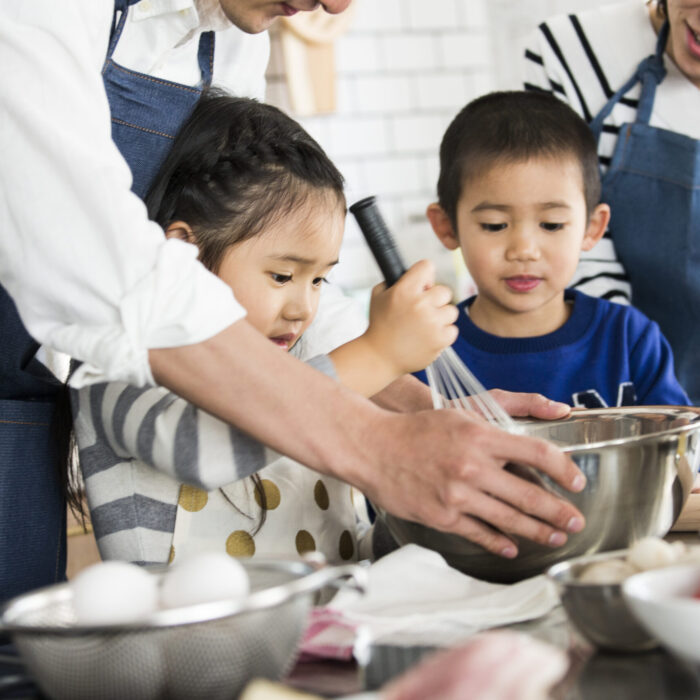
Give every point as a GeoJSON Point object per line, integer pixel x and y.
{"type": "Point", "coordinates": [519, 192]}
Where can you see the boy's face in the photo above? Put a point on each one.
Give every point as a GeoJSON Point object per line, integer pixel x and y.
{"type": "Point", "coordinates": [277, 275]}
{"type": "Point", "coordinates": [521, 227]}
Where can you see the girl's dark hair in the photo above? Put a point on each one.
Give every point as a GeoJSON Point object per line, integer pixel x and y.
{"type": "Point", "coordinates": [508, 127]}
{"type": "Point", "coordinates": [236, 167]}
{"type": "Point", "coordinates": [661, 8]}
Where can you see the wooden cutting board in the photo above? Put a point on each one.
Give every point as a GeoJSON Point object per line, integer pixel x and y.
{"type": "Point", "coordinates": [689, 519]}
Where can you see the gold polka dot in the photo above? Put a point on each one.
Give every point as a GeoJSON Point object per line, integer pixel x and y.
{"type": "Point", "coordinates": [321, 495]}
{"type": "Point", "coordinates": [240, 544]}
{"type": "Point", "coordinates": [172, 555]}
{"type": "Point", "coordinates": [346, 547]}
{"type": "Point", "coordinates": [191, 498]}
{"type": "Point", "coordinates": [272, 495]}
{"type": "Point", "coordinates": [305, 542]}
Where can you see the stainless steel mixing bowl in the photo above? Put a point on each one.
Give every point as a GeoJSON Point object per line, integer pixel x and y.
{"type": "Point", "coordinates": [640, 463]}
{"type": "Point", "coordinates": [207, 651]}
{"type": "Point", "coordinates": [598, 610]}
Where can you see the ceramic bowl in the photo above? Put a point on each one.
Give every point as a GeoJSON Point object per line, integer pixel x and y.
{"type": "Point", "coordinates": [663, 602]}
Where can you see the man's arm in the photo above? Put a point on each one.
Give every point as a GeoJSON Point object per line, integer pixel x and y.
{"type": "Point", "coordinates": [435, 467]}
{"type": "Point", "coordinates": [90, 274]}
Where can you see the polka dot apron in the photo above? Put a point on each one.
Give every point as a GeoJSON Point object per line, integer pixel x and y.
{"type": "Point", "coordinates": [303, 511]}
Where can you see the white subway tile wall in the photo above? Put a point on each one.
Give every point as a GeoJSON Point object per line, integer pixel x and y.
{"type": "Point", "coordinates": [404, 69]}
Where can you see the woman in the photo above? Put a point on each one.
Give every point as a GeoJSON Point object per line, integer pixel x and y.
{"type": "Point", "coordinates": [633, 72]}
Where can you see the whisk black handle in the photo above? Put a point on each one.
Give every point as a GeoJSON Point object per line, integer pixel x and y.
{"type": "Point", "coordinates": [379, 239]}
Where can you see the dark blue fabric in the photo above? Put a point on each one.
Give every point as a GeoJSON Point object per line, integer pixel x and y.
{"type": "Point", "coordinates": [602, 348]}
{"type": "Point", "coordinates": [146, 111]}
{"type": "Point", "coordinates": [653, 189]}
{"type": "Point", "coordinates": [32, 507]}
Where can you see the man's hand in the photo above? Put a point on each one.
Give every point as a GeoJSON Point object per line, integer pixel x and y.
{"type": "Point", "coordinates": [444, 469]}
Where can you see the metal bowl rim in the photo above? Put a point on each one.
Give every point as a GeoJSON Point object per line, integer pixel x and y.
{"type": "Point", "coordinates": [634, 439]}
{"type": "Point", "coordinates": [309, 577]}
{"type": "Point", "coordinates": [560, 573]}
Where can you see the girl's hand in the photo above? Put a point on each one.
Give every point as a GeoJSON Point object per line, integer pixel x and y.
{"type": "Point", "coordinates": [411, 322]}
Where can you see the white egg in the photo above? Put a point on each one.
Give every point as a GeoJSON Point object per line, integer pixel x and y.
{"type": "Point", "coordinates": [607, 572]}
{"type": "Point", "coordinates": [651, 553]}
{"type": "Point", "coordinates": [204, 577]}
{"type": "Point", "coordinates": [113, 592]}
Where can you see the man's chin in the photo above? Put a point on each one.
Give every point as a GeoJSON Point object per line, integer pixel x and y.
{"type": "Point", "coordinates": [255, 24]}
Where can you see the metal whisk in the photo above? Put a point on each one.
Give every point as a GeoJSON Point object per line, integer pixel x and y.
{"type": "Point", "coordinates": [451, 383]}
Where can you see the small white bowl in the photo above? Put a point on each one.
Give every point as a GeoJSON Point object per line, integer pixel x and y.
{"type": "Point", "coordinates": [662, 601]}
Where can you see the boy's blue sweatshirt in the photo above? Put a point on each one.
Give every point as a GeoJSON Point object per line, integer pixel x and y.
{"type": "Point", "coordinates": [605, 354]}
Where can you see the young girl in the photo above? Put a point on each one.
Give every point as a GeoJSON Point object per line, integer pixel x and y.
{"type": "Point", "coordinates": [264, 207]}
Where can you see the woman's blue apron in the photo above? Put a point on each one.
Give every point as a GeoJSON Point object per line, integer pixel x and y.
{"type": "Point", "coordinates": [653, 189]}
{"type": "Point", "coordinates": [146, 114]}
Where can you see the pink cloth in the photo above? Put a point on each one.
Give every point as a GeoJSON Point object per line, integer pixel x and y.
{"type": "Point", "coordinates": [328, 636]}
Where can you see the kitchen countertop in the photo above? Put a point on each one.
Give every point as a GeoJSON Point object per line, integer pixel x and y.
{"type": "Point", "coordinates": [593, 675]}
{"type": "Point", "coordinates": [653, 675]}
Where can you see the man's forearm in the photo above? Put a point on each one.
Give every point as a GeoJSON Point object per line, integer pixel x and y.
{"type": "Point", "coordinates": [242, 378]}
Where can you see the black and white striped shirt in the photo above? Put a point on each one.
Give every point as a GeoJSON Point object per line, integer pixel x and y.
{"type": "Point", "coordinates": [584, 59]}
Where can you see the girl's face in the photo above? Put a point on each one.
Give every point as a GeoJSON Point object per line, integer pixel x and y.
{"type": "Point", "coordinates": [277, 275]}
{"type": "Point", "coordinates": [521, 227]}
{"type": "Point", "coordinates": [684, 41]}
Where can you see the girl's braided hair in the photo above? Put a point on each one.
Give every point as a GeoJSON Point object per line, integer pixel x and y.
{"type": "Point", "coordinates": [236, 167]}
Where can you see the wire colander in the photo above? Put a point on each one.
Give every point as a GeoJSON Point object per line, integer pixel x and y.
{"type": "Point", "coordinates": [208, 651]}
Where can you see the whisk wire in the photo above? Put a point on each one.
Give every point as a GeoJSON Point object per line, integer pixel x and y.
{"type": "Point", "coordinates": [452, 383]}
{"type": "Point", "coordinates": [450, 380]}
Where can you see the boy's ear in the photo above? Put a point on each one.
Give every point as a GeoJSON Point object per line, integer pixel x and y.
{"type": "Point", "coordinates": [597, 225]}
{"type": "Point", "coordinates": [442, 226]}
{"type": "Point", "coordinates": [181, 230]}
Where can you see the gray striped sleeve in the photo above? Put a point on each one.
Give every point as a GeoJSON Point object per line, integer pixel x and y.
{"type": "Point", "coordinates": [171, 435]}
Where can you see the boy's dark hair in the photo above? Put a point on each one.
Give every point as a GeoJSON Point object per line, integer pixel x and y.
{"type": "Point", "coordinates": [508, 127]}
{"type": "Point", "coordinates": [236, 167]}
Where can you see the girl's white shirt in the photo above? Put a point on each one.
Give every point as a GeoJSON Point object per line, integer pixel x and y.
{"type": "Point", "coordinates": [90, 274]}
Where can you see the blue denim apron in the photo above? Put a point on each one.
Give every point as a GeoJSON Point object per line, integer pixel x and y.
{"type": "Point", "coordinates": [32, 507]}
{"type": "Point", "coordinates": [146, 111]}
{"type": "Point", "coordinates": [653, 189]}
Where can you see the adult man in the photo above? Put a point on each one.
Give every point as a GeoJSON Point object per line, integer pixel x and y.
{"type": "Point", "coordinates": [92, 277]}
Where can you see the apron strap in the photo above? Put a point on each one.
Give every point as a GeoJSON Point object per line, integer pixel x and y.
{"type": "Point", "coordinates": [205, 57]}
{"type": "Point", "coordinates": [654, 72]}
{"type": "Point", "coordinates": [650, 72]}
{"type": "Point", "coordinates": [121, 8]}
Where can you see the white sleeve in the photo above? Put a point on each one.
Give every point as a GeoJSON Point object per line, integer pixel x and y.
{"type": "Point", "coordinates": [90, 275]}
